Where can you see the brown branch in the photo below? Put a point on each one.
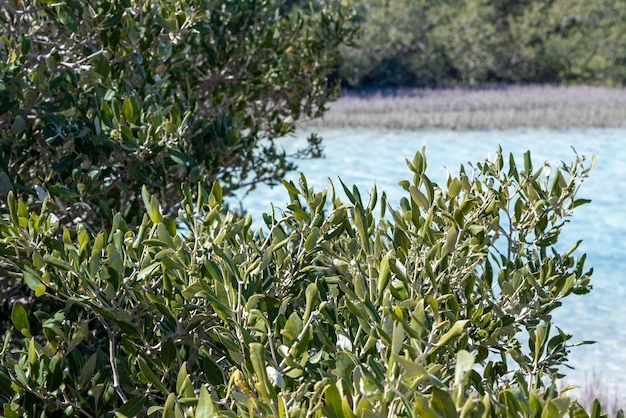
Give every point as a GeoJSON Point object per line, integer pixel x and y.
{"type": "Point", "coordinates": [116, 377]}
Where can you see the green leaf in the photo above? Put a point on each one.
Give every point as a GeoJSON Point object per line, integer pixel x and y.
{"type": "Point", "coordinates": [115, 108]}
{"type": "Point", "coordinates": [360, 221]}
{"type": "Point", "coordinates": [419, 162]}
{"type": "Point", "coordinates": [332, 400]}
{"type": "Point", "coordinates": [550, 410]}
{"type": "Point", "coordinates": [12, 203]}
{"type": "Point", "coordinates": [451, 237]}
{"type": "Point", "coordinates": [88, 370]}
{"type": "Point", "coordinates": [205, 406]}
{"type": "Point", "coordinates": [19, 317]}
{"type": "Point", "coordinates": [145, 195]}
{"type": "Point", "coordinates": [579, 202]}
{"type": "Point", "coordinates": [55, 375]}
{"type": "Point", "coordinates": [181, 379]}
{"type": "Point", "coordinates": [154, 210]}
{"type": "Point", "coordinates": [111, 21]}
{"type": "Point", "coordinates": [596, 409]}
{"type": "Point", "coordinates": [32, 280]}
{"type": "Point", "coordinates": [555, 187]}
{"type": "Point", "coordinates": [57, 262]}
{"type": "Point", "coordinates": [292, 327]}
{"type": "Point", "coordinates": [154, 409]}
{"type": "Point", "coordinates": [441, 402]}
{"type": "Point", "coordinates": [127, 109]}
{"type": "Point", "coordinates": [115, 260]}
{"type": "Point", "coordinates": [210, 368]}
{"type": "Point", "coordinates": [540, 339]}
{"type": "Point", "coordinates": [454, 188]}
{"type": "Point", "coordinates": [179, 157]}
{"type": "Point", "coordinates": [168, 353]}
{"type": "Point", "coordinates": [132, 407]}
{"type": "Point", "coordinates": [511, 399]}
{"type": "Point", "coordinates": [425, 411]}
{"type": "Point", "coordinates": [170, 404]}
{"type": "Point", "coordinates": [411, 369]}
{"type": "Point", "coordinates": [418, 197]}
{"type": "Point", "coordinates": [464, 364]}
{"type": "Point", "coordinates": [453, 332]}
{"type": "Point", "coordinates": [20, 375]}
{"type": "Point", "coordinates": [150, 376]}
{"type": "Point", "coordinates": [257, 357]}
{"type": "Point", "coordinates": [310, 293]}
{"type": "Point", "coordinates": [571, 249]}
{"type": "Point", "coordinates": [184, 389]}
{"type": "Point", "coordinates": [534, 403]}
{"type": "Point", "coordinates": [147, 271]}
{"type": "Point", "coordinates": [98, 244]}
{"type": "Point", "coordinates": [33, 358]}
{"type": "Point", "coordinates": [216, 194]}
{"type": "Point", "coordinates": [397, 338]}
{"type": "Point", "coordinates": [384, 274]}
{"type": "Point", "coordinates": [470, 408]}
{"type": "Point", "coordinates": [528, 165]}
{"type": "Point", "coordinates": [18, 125]}
{"type": "Point", "coordinates": [562, 403]}
{"type": "Point", "coordinates": [291, 189]}
{"type": "Point", "coordinates": [311, 240]}
{"type": "Point", "coordinates": [347, 192]}
{"type": "Point", "coordinates": [8, 411]}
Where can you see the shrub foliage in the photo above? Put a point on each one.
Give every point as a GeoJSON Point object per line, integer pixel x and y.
{"type": "Point", "coordinates": [100, 98]}
{"type": "Point", "coordinates": [440, 307]}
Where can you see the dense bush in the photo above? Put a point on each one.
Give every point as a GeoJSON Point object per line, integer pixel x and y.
{"type": "Point", "coordinates": [126, 299]}
{"type": "Point", "coordinates": [99, 98]}
{"type": "Point", "coordinates": [439, 308]}
{"type": "Point", "coordinates": [472, 42]}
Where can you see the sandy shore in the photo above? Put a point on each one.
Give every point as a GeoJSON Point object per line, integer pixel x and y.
{"type": "Point", "coordinates": [555, 107]}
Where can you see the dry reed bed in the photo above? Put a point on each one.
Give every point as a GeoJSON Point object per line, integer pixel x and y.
{"type": "Point", "coordinates": [553, 107]}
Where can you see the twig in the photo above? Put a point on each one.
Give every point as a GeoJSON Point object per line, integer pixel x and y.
{"type": "Point", "coordinates": [116, 378]}
{"type": "Point", "coordinates": [299, 338]}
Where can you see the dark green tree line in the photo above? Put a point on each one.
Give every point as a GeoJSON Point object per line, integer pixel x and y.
{"type": "Point", "coordinates": [472, 42]}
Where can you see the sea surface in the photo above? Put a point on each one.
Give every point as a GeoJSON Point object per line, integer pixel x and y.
{"type": "Point", "coordinates": [365, 158]}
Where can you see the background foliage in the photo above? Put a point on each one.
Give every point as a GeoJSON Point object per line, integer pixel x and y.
{"type": "Point", "coordinates": [472, 42]}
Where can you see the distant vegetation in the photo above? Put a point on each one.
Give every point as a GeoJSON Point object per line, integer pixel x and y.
{"type": "Point", "coordinates": [470, 42]}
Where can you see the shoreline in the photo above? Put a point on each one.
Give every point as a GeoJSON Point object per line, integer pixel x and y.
{"type": "Point", "coordinates": [492, 107]}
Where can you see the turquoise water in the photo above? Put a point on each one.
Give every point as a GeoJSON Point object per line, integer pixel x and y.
{"type": "Point", "coordinates": [366, 158]}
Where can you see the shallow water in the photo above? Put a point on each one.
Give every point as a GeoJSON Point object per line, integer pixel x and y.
{"type": "Point", "coordinates": [366, 158]}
